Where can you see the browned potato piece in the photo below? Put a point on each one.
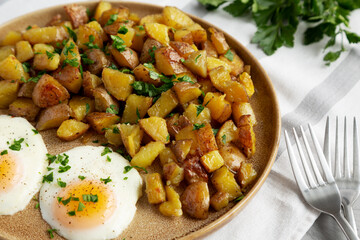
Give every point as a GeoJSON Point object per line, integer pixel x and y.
{"type": "Point", "coordinates": [227, 133]}
{"type": "Point", "coordinates": [118, 83]}
{"type": "Point", "coordinates": [188, 133]}
{"type": "Point", "coordinates": [186, 91]}
{"type": "Point", "coordinates": [101, 8]}
{"type": "Point", "coordinates": [45, 34]}
{"type": "Point", "coordinates": [81, 106]}
{"type": "Point", "coordinates": [212, 161]}
{"type": "Point", "coordinates": [122, 12]}
{"type": "Point", "coordinates": [191, 112]}
{"type": "Point", "coordinates": [69, 77]}
{"type": "Point", "coordinates": [209, 48]}
{"type": "Point", "coordinates": [245, 79]}
{"type": "Point", "coordinates": [99, 58]}
{"type": "Point", "coordinates": [8, 92]}
{"type": "Point", "coordinates": [142, 73]}
{"type": "Point", "coordinates": [240, 109]}
{"type": "Point", "coordinates": [113, 136]}
{"type": "Point", "coordinates": [135, 108]}
{"type": "Point", "coordinates": [198, 33]}
{"type": "Point", "coordinates": [176, 18]}
{"type": "Point", "coordinates": [99, 121]}
{"type": "Point", "coordinates": [156, 128]}
{"type": "Point", "coordinates": [246, 174]}
{"type": "Point", "coordinates": [193, 170]}
{"type": "Point", "coordinates": [43, 62]}
{"type": "Point", "coordinates": [52, 117]}
{"type": "Point", "coordinates": [213, 62]}
{"type": "Point", "coordinates": [27, 89]}
{"type": "Point", "coordinates": [181, 148]}
{"type": "Point", "coordinates": [246, 140]}
{"type": "Point", "coordinates": [183, 35]}
{"type": "Point", "coordinates": [11, 38]}
{"type": "Point", "coordinates": [90, 82]}
{"type": "Point", "coordinates": [218, 39]}
{"type": "Point", "coordinates": [232, 156]}
{"type": "Point", "coordinates": [72, 129]}
{"type": "Point", "coordinates": [155, 190]}
{"type": "Point", "coordinates": [172, 207]}
{"type": "Point", "coordinates": [84, 34]}
{"type": "Point", "coordinates": [164, 105]}
{"type": "Point", "coordinates": [24, 51]}
{"type": "Point", "coordinates": [131, 136]}
{"type": "Point", "coordinates": [113, 29]}
{"type": "Point", "coordinates": [127, 58]}
{"type": "Point", "coordinates": [219, 200]}
{"type": "Point", "coordinates": [12, 69]}
{"type": "Point", "coordinates": [147, 154]}
{"type": "Point", "coordinates": [148, 50]}
{"type": "Point", "coordinates": [168, 61]}
{"type": "Point", "coordinates": [196, 200]}
{"type": "Point", "coordinates": [49, 92]}
{"type": "Point", "coordinates": [6, 51]}
{"type": "Point", "coordinates": [103, 100]}
{"type": "Point", "coordinates": [206, 139]}
{"type": "Point", "coordinates": [167, 156]}
{"type": "Point", "coordinates": [158, 31]}
{"type": "Point", "coordinates": [139, 38]}
{"type": "Point", "coordinates": [173, 174]}
{"type": "Point", "coordinates": [224, 181]}
{"type": "Point", "coordinates": [206, 86]}
{"type": "Point", "coordinates": [182, 48]}
{"type": "Point", "coordinates": [219, 107]}
{"type": "Point", "coordinates": [24, 107]}
{"type": "Point", "coordinates": [236, 64]}
{"type": "Point", "coordinates": [152, 18]}
{"type": "Point", "coordinates": [176, 123]}
{"type": "Point", "coordinates": [77, 14]}
{"type": "Point", "coordinates": [196, 62]}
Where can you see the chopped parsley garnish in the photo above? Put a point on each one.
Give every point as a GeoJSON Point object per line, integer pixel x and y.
{"type": "Point", "coordinates": [62, 159]}
{"type": "Point", "coordinates": [4, 152]}
{"type": "Point", "coordinates": [239, 198]}
{"type": "Point", "coordinates": [50, 55]}
{"type": "Point", "coordinates": [59, 199]}
{"type": "Point", "coordinates": [118, 43]}
{"type": "Point", "coordinates": [87, 108]}
{"type": "Point", "coordinates": [71, 33]}
{"type": "Point", "coordinates": [86, 60]}
{"type": "Point", "coordinates": [106, 180]}
{"type": "Point", "coordinates": [112, 109]}
{"type": "Point", "coordinates": [71, 62]}
{"type": "Point", "coordinates": [61, 183]}
{"type": "Point", "coordinates": [16, 146]}
{"type": "Point", "coordinates": [106, 151]}
{"type": "Point", "coordinates": [137, 115]}
{"type": "Point", "coordinates": [197, 126]}
{"type": "Point", "coordinates": [33, 79]}
{"type": "Point", "coordinates": [113, 66]}
{"type": "Point", "coordinates": [81, 177]}
{"type": "Point", "coordinates": [182, 60]}
{"type": "Point", "coordinates": [223, 139]}
{"type": "Point", "coordinates": [28, 27]}
{"type": "Point", "coordinates": [50, 158]}
{"type": "Point", "coordinates": [95, 141]}
{"type": "Point", "coordinates": [125, 178]}
{"type": "Point", "coordinates": [26, 66]}
{"type": "Point", "coordinates": [64, 169]}
{"type": "Point", "coordinates": [215, 131]}
{"type": "Point", "coordinates": [152, 54]}
{"type": "Point", "coordinates": [123, 30]}
{"type": "Point", "coordinates": [116, 130]}
{"type": "Point", "coordinates": [51, 231]}
{"type": "Point", "coordinates": [80, 207]}
{"type": "Point", "coordinates": [229, 55]}
{"type": "Point", "coordinates": [128, 168]}
{"type": "Point", "coordinates": [167, 137]}
{"type": "Point", "coordinates": [90, 198]}
{"type": "Point", "coordinates": [35, 131]}
{"type": "Point", "coordinates": [125, 70]}
{"type": "Point", "coordinates": [141, 28]}
{"type": "Point", "coordinates": [66, 201]}
{"type": "Point", "coordinates": [108, 159]}
{"type": "Point", "coordinates": [112, 19]}
{"type": "Point", "coordinates": [185, 78]}
{"type": "Point", "coordinates": [199, 109]}
{"type": "Point", "coordinates": [149, 89]}
{"type": "Point", "coordinates": [91, 44]}
{"type": "Point", "coordinates": [37, 205]}
{"type": "Point", "coordinates": [197, 57]}
{"type": "Point", "coordinates": [128, 157]}
{"type": "Point", "coordinates": [48, 178]}
{"type": "Point", "coordinates": [71, 213]}
{"type": "Point", "coordinates": [148, 65]}
{"type": "Point", "coordinates": [69, 49]}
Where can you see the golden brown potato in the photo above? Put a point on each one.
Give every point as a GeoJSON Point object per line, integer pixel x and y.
{"type": "Point", "coordinates": [99, 121]}
{"type": "Point", "coordinates": [127, 58]}
{"type": "Point", "coordinates": [27, 89]}
{"type": "Point", "coordinates": [77, 14]}
{"type": "Point", "coordinates": [172, 207]}
{"type": "Point", "coordinates": [72, 129]}
{"type": "Point", "coordinates": [219, 200]}
{"type": "Point", "coordinates": [122, 14]}
{"type": "Point", "coordinates": [246, 141]}
{"type": "Point", "coordinates": [44, 62]}
{"type": "Point", "coordinates": [152, 18]}
{"type": "Point", "coordinates": [135, 108]}
{"type": "Point", "coordinates": [195, 116]}
{"type": "Point", "coordinates": [128, 36]}
{"type": "Point", "coordinates": [193, 170]}
{"type": "Point", "coordinates": [246, 174]}
{"type": "Point", "coordinates": [236, 63]}
{"type": "Point", "coordinates": [198, 33]}
{"type": "Point", "coordinates": [175, 18]}
{"type": "Point", "coordinates": [168, 61]}
{"type": "Point", "coordinates": [206, 139]}
{"type": "Point", "coordinates": [182, 48]}
{"type": "Point", "coordinates": [131, 136]}
{"type": "Point", "coordinates": [219, 107]}
{"type": "Point", "coordinates": [49, 92]}
{"type": "Point", "coordinates": [142, 73]}
{"type": "Point", "coordinates": [113, 136]}
{"type": "Point", "coordinates": [181, 149]}
{"type": "Point", "coordinates": [101, 8]}
{"type": "Point", "coordinates": [148, 50]}
{"type": "Point", "coordinates": [156, 128]}
{"type": "Point", "coordinates": [206, 86]}
{"type": "Point", "coordinates": [53, 116]}
{"type": "Point", "coordinates": [139, 38]}
{"type": "Point", "coordinates": [213, 62]}
{"type": "Point", "coordinates": [45, 34]}
{"type": "Point", "coordinates": [69, 77]}
{"type": "Point", "coordinates": [232, 156]}
{"type": "Point", "coordinates": [24, 51]}
{"type": "Point", "coordinates": [86, 35]}
{"type": "Point", "coordinates": [196, 62]}
{"type": "Point", "coordinates": [176, 123]}
{"type": "Point", "coordinates": [183, 35]}
{"type": "Point", "coordinates": [227, 133]}
{"type": "Point", "coordinates": [6, 51]}
{"type": "Point", "coordinates": [167, 156]}
{"type": "Point", "coordinates": [209, 48]}
{"type": "Point", "coordinates": [224, 181]}
{"type": "Point", "coordinates": [8, 92]}
{"type": "Point", "coordinates": [196, 200]}
{"type": "Point", "coordinates": [243, 108]}
{"type": "Point", "coordinates": [147, 154]}
{"type": "Point", "coordinates": [104, 101]}
{"type": "Point", "coordinates": [99, 58]}
{"type": "Point", "coordinates": [117, 83]}
{"type": "Point", "coordinates": [218, 39]}
{"type": "Point", "coordinates": [164, 105]}
{"type": "Point", "coordinates": [155, 190]}
{"type": "Point", "coordinates": [81, 106]}
{"type": "Point", "coordinates": [12, 69]}
{"type": "Point", "coordinates": [173, 174]}
{"type": "Point", "coordinates": [158, 31]}
{"type": "Point", "coordinates": [186, 91]}
{"type": "Point", "coordinates": [24, 107]}
{"type": "Point", "coordinates": [11, 38]}
{"type": "Point", "coordinates": [90, 82]}
{"type": "Point", "coordinates": [212, 161]}
{"type": "Point", "coordinates": [245, 79]}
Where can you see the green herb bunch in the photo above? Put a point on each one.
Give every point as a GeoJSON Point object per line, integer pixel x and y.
{"type": "Point", "coordinates": [277, 21]}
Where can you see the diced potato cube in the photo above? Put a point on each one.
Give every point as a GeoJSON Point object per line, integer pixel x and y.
{"type": "Point", "coordinates": [218, 39]}
{"type": "Point", "coordinates": [70, 51]}
{"type": "Point", "coordinates": [213, 62]}
{"type": "Point", "coordinates": [158, 31]}
{"type": "Point", "coordinates": [45, 34]}
{"type": "Point", "coordinates": [44, 62]}
{"type": "Point", "coordinates": [71, 129]}
{"type": "Point", "coordinates": [99, 121]}
{"type": "Point", "coordinates": [172, 207]}
{"type": "Point", "coordinates": [149, 47]}
{"type": "Point", "coordinates": [135, 108]}
{"type": "Point", "coordinates": [168, 61]}
{"type": "Point", "coordinates": [186, 91]}
{"type": "Point", "coordinates": [139, 38]}
{"type": "Point", "coordinates": [199, 33]}
{"type": "Point", "coordinates": [86, 35]}
{"type": "Point", "coordinates": [69, 77]}
{"type": "Point", "coordinates": [227, 133]}
{"type": "Point", "coordinates": [196, 62]}
{"type": "Point", "coordinates": [142, 73]}
{"type": "Point", "coordinates": [246, 174]}
{"type": "Point", "coordinates": [12, 69]}
{"type": "Point", "coordinates": [27, 89]}
{"type": "Point", "coordinates": [113, 136]}
{"type": "Point", "coordinates": [219, 78]}
{"type": "Point", "coordinates": [181, 148]}
{"type": "Point", "coordinates": [118, 83]}
{"type": "Point", "coordinates": [152, 18]}
{"type": "Point", "coordinates": [193, 170]}
{"type": "Point", "coordinates": [131, 136]}
{"type": "Point", "coordinates": [219, 107]}
{"type": "Point", "coordinates": [167, 156]}
{"type": "Point", "coordinates": [156, 128]}
{"type": "Point", "coordinates": [127, 58]}
{"type": "Point", "coordinates": [182, 48]}
{"type": "Point", "coordinates": [196, 200]}
{"type": "Point", "coordinates": [81, 106]}
{"type": "Point", "coordinates": [96, 25]}
{"type": "Point", "coordinates": [164, 105]}
{"type": "Point", "coordinates": [236, 64]}
{"type": "Point", "coordinates": [101, 8]}
{"type": "Point", "coordinates": [90, 82]}
{"type": "Point", "coordinates": [8, 92]}
{"type": "Point", "coordinates": [134, 17]}
{"type": "Point", "coordinates": [175, 18]}
{"type": "Point", "coordinates": [192, 112]}
{"type": "Point", "coordinates": [11, 38]}
{"type": "Point", "coordinates": [224, 181]}
{"type": "Point", "coordinates": [147, 154]}
{"type": "Point", "coordinates": [206, 139]}
{"type": "Point", "coordinates": [246, 141]}
{"type": "Point", "coordinates": [24, 51]}
{"type": "Point", "coordinates": [219, 200]}
{"type": "Point", "coordinates": [232, 156]}
{"type": "Point", "coordinates": [209, 48]}
{"type": "Point", "coordinates": [104, 101]}
{"type": "Point", "coordinates": [173, 174]}
{"type": "Point", "coordinates": [243, 108]}
{"type": "Point", "coordinates": [183, 35]}
{"type": "Point", "coordinates": [23, 107]}
{"type": "Point", "coordinates": [121, 12]}
{"type": "Point", "coordinates": [206, 86]}
{"type": "Point", "coordinates": [155, 188]}
{"type": "Point", "coordinates": [212, 161]}
{"type": "Point", "coordinates": [6, 51]}
{"type": "Point", "coordinates": [52, 117]}
{"type": "Point", "coordinates": [245, 79]}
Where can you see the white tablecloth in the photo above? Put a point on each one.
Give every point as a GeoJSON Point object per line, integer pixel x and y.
{"type": "Point", "coordinates": [307, 90]}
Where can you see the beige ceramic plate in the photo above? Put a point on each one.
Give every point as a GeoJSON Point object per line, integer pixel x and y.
{"type": "Point", "coordinates": [148, 222]}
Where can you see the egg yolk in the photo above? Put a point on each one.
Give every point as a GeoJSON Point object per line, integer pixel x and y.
{"type": "Point", "coordinates": [10, 172]}
{"type": "Point", "coordinates": [84, 204]}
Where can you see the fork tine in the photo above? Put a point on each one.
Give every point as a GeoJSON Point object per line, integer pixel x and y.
{"type": "Point", "coordinates": [304, 162]}
{"type": "Point", "coordinates": [327, 142]}
{"type": "Point", "coordinates": [321, 156]}
{"type": "Point", "coordinates": [295, 167]}
{"type": "Point", "coordinates": [337, 151]}
{"type": "Point", "coordinates": [356, 152]}
{"type": "Point", "coordinates": [346, 172]}
{"type": "Point", "coordinates": [312, 160]}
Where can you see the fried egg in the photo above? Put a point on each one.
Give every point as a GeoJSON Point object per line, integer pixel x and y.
{"type": "Point", "coordinates": [22, 163]}
{"type": "Point", "coordinates": [92, 195]}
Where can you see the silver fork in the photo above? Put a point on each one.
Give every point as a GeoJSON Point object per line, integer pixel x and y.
{"type": "Point", "coordinates": [348, 183]}
{"type": "Point", "coordinates": [321, 194]}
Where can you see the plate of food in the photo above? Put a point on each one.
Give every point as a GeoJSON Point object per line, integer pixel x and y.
{"type": "Point", "coordinates": [125, 120]}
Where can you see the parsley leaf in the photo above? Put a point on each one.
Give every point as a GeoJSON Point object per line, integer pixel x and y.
{"type": "Point", "coordinates": [197, 57]}
{"type": "Point", "coordinates": [106, 151]}
{"type": "Point", "coordinates": [197, 126]}
{"type": "Point", "coordinates": [72, 34]}
{"type": "Point", "coordinates": [199, 109]}
{"type": "Point", "coordinates": [152, 54]}
{"type": "Point", "coordinates": [90, 198]}
{"type": "Point", "coordinates": [50, 55]}
{"type": "Point", "coordinates": [229, 55]}
{"type": "Point", "coordinates": [112, 19]}
{"type": "Point", "coordinates": [123, 30]}
{"type": "Point", "coordinates": [106, 180]}
{"type": "Point", "coordinates": [4, 152]}
{"type": "Point", "coordinates": [61, 183]}
{"type": "Point", "coordinates": [91, 44]}
{"type": "Point", "coordinates": [50, 231]}
{"type": "Point", "coordinates": [87, 105]}
{"type": "Point", "coordinates": [239, 198]}
{"type": "Point", "coordinates": [137, 115]}
{"type": "Point", "coordinates": [64, 169]}
{"type": "Point", "coordinates": [81, 177]}
{"type": "Point", "coordinates": [149, 89]}
{"type": "Point", "coordinates": [80, 207]}
{"type": "Point", "coordinates": [16, 146]}
{"type": "Point", "coordinates": [71, 62]}
{"type": "Point", "coordinates": [35, 131]}
{"type": "Point", "coordinates": [128, 168]}
{"type": "Point", "coordinates": [26, 66]}
{"type": "Point", "coordinates": [118, 43]}
{"type": "Point", "coordinates": [86, 60]}
{"type": "Point", "coordinates": [112, 109]}
{"type": "Point", "coordinates": [71, 213]}
{"type": "Point", "coordinates": [48, 178]}
{"type": "Point", "coordinates": [215, 131]}
{"type": "Point", "coordinates": [116, 130]}
{"type": "Point", "coordinates": [223, 139]}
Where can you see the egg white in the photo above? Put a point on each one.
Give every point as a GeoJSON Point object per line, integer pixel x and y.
{"type": "Point", "coordinates": [88, 162]}
{"type": "Point", "coordinates": [31, 159]}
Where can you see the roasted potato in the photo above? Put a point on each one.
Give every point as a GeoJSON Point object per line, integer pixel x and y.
{"type": "Point", "coordinates": [6, 51]}
{"type": "Point", "coordinates": [24, 107]}
{"type": "Point", "coordinates": [209, 48]}
{"type": "Point", "coordinates": [235, 62]}
{"type": "Point", "coordinates": [196, 200]}
{"type": "Point", "coordinates": [212, 161]}
{"type": "Point", "coordinates": [158, 31]}
{"type": "Point", "coordinates": [148, 50]}
{"type": "Point", "coordinates": [182, 48]}
{"type": "Point", "coordinates": [224, 181]}
{"type": "Point", "coordinates": [90, 82]}
{"type": "Point", "coordinates": [195, 116]}
{"type": "Point", "coordinates": [101, 8]}
{"type": "Point", "coordinates": [167, 156]}
{"type": "Point", "coordinates": [113, 136]}
{"type": "Point", "coordinates": [99, 60]}
{"type": "Point", "coordinates": [131, 136]}
{"type": "Point", "coordinates": [181, 148]}
{"type": "Point", "coordinates": [175, 18]}
{"type": "Point", "coordinates": [104, 101]}
{"type": "Point", "coordinates": [117, 83]}
{"type": "Point", "coordinates": [142, 73]}
{"type": "Point", "coordinates": [193, 170]}
{"type": "Point", "coordinates": [45, 34]}
{"type": "Point", "coordinates": [164, 105]}
{"type": "Point", "coordinates": [99, 121]}
{"type": "Point", "coordinates": [206, 139]}
{"type": "Point", "coordinates": [240, 109]}
{"type": "Point", "coordinates": [219, 200]}
{"type": "Point", "coordinates": [232, 156]}
{"type": "Point", "coordinates": [77, 14]}
{"type": "Point", "coordinates": [245, 80]}
{"type": "Point", "coordinates": [173, 174]}
{"type": "Point", "coordinates": [53, 116]}
{"type": "Point", "coordinates": [12, 69]}
{"type": "Point", "coordinates": [24, 51]}
{"type": "Point", "coordinates": [121, 12]}
{"type": "Point", "coordinates": [246, 141]}
{"type": "Point", "coordinates": [147, 154]}
{"type": "Point", "coordinates": [127, 58]}
{"type": "Point", "coordinates": [196, 62]}
{"type": "Point", "coordinates": [246, 174]}
{"type": "Point", "coordinates": [87, 35]}
{"type": "Point", "coordinates": [186, 91]}
{"type": "Point", "coordinates": [81, 106]}
{"type": "Point", "coordinates": [172, 207]}
{"type": "Point", "coordinates": [152, 18]}
{"type": "Point", "coordinates": [8, 92]}
{"type": "Point", "coordinates": [183, 35]}
{"type": "Point", "coordinates": [219, 107]}
{"type": "Point", "coordinates": [27, 89]}
{"type": "Point", "coordinates": [11, 38]}
{"type": "Point", "coordinates": [176, 123]}
{"type": "Point", "coordinates": [155, 190]}
{"type": "Point", "coordinates": [156, 128]}
{"type": "Point", "coordinates": [69, 77]}
{"type": "Point", "coordinates": [168, 61]}
{"type": "Point", "coordinates": [71, 129]}
{"type": "Point", "coordinates": [135, 108]}
{"type": "Point", "coordinates": [218, 39]}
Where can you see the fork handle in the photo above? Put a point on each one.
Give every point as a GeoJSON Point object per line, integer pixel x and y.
{"type": "Point", "coordinates": [349, 215]}
{"type": "Point", "coordinates": [345, 226]}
